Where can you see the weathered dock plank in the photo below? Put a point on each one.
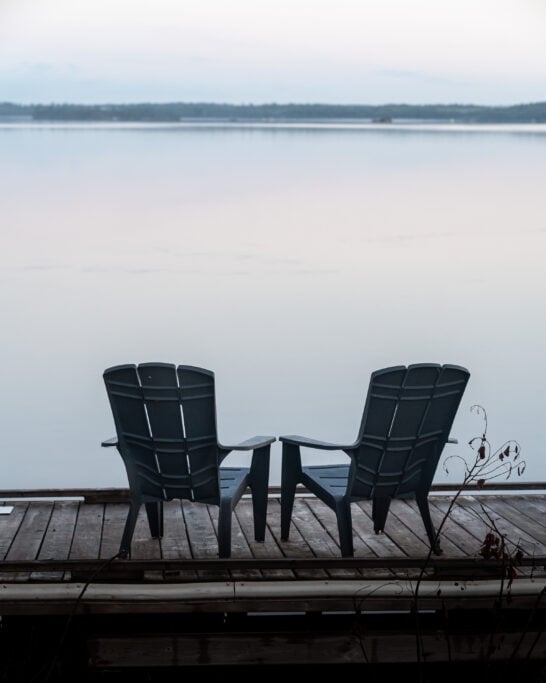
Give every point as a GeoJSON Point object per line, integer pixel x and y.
{"type": "Point", "coordinates": [88, 532]}
{"type": "Point", "coordinates": [57, 540]}
{"type": "Point", "coordinates": [268, 549]}
{"type": "Point", "coordinates": [507, 521]}
{"type": "Point", "coordinates": [58, 533]}
{"type": "Point", "coordinates": [532, 506]}
{"type": "Point", "coordinates": [115, 515]}
{"type": "Point", "coordinates": [406, 538]}
{"type": "Point", "coordinates": [239, 545]}
{"type": "Point", "coordinates": [465, 517]}
{"type": "Point", "coordinates": [295, 546]}
{"type": "Point", "coordinates": [202, 537]}
{"type": "Point", "coordinates": [224, 649]}
{"type": "Point", "coordinates": [175, 544]}
{"type": "Point", "coordinates": [380, 544]}
{"type": "Point", "coordinates": [531, 531]}
{"type": "Point", "coordinates": [9, 526]}
{"type": "Point", "coordinates": [315, 535]}
{"type": "Point", "coordinates": [407, 513]}
{"type": "Point", "coordinates": [144, 546]}
{"type": "Point", "coordinates": [328, 519]}
{"type": "Point", "coordinates": [29, 537]}
{"type": "Point", "coordinates": [455, 531]}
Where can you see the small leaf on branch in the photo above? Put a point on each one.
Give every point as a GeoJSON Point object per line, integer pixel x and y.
{"type": "Point", "coordinates": [481, 452]}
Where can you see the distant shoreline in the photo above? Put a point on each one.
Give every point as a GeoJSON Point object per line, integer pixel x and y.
{"type": "Point", "coordinates": [316, 125]}
{"type": "Point", "coordinates": [189, 112]}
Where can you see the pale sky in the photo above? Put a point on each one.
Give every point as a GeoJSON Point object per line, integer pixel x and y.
{"type": "Point", "coordinates": [240, 51]}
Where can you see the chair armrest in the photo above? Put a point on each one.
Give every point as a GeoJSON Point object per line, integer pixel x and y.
{"type": "Point", "coordinates": [295, 440]}
{"type": "Point", "coordinates": [250, 444]}
{"type": "Point", "coordinates": [110, 442]}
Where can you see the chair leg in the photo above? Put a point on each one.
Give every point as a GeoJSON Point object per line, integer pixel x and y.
{"type": "Point", "coordinates": [290, 477]}
{"type": "Point", "coordinates": [154, 511]}
{"type": "Point", "coordinates": [132, 515]}
{"type": "Point", "coordinates": [224, 528]}
{"type": "Point", "coordinates": [344, 527]}
{"type": "Point", "coordinates": [259, 482]}
{"type": "Point", "coordinates": [380, 510]}
{"type": "Point", "coordinates": [422, 504]}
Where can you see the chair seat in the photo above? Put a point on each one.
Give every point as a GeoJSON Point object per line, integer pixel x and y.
{"type": "Point", "coordinates": [332, 478]}
{"type": "Point", "coordinates": [233, 481]}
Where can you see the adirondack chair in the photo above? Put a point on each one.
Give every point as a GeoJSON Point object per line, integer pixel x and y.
{"type": "Point", "coordinates": [407, 417]}
{"type": "Point", "coordinates": [165, 421]}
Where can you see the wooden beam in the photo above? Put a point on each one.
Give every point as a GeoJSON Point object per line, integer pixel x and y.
{"type": "Point", "coordinates": [120, 495]}
{"type": "Point", "coordinates": [108, 495]}
{"type": "Point", "coordinates": [304, 647]}
{"type": "Point", "coordinates": [273, 596]}
{"type": "Point", "coordinates": [476, 566]}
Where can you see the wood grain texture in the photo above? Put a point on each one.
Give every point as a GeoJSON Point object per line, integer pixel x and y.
{"type": "Point", "coordinates": [302, 648]}
{"type": "Point", "coordinates": [9, 526]}
{"type": "Point", "coordinates": [66, 531]}
{"type": "Point", "coordinates": [202, 537]}
{"type": "Point", "coordinates": [268, 549]}
{"type": "Point", "coordinates": [88, 532]}
{"type": "Point", "coordinates": [175, 543]}
{"type": "Point", "coordinates": [57, 540]}
{"type": "Point", "coordinates": [295, 546]}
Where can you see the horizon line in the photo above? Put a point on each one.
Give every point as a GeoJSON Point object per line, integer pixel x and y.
{"type": "Point", "coordinates": [269, 103]}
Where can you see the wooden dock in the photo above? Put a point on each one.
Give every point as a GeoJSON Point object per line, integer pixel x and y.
{"type": "Point", "coordinates": [57, 552]}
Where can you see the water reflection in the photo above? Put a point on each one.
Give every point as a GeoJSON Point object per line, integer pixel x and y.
{"type": "Point", "coordinates": [292, 263]}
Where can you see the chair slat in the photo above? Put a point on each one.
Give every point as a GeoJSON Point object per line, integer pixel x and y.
{"type": "Point", "coordinates": [199, 409]}
{"type": "Point", "coordinates": [165, 421]}
{"type": "Point", "coordinates": [405, 425]}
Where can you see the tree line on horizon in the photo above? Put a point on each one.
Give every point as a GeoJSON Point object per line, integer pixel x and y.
{"type": "Point", "coordinates": [180, 111]}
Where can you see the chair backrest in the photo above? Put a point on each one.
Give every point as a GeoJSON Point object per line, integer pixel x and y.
{"type": "Point", "coordinates": [407, 417]}
{"type": "Point", "coordinates": [165, 420]}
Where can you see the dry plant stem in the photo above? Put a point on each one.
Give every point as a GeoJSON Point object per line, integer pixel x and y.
{"type": "Point", "coordinates": [487, 465]}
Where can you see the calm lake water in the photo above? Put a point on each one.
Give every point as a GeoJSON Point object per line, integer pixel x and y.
{"type": "Point", "coordinates": [291, 260]}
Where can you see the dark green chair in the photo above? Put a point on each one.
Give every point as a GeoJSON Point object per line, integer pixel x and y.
{"type": "Point", "coordinates": [406, 422]}
{"type": "Point", "coordinates": [165, 421]}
